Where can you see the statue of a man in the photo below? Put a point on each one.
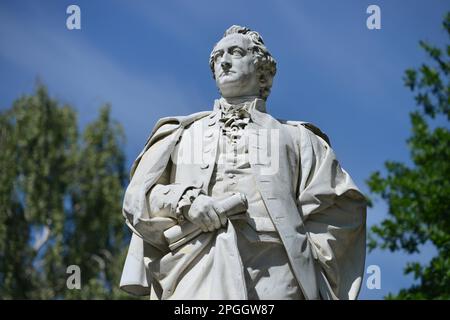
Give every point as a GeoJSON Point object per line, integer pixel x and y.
{"type": "Point", "coordinates": [235, 204]}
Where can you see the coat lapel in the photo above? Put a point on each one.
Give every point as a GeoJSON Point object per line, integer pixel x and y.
{"type": "Point", "coordinates": [276, 186]}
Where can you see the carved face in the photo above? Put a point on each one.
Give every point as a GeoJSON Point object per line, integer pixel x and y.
{"type": "Point", "coordinates": [234, 67]}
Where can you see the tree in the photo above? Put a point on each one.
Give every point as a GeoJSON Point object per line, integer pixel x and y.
{"type": "Point", "coordinates": [418, 196]}
{"type": "Point", "coordinates": [60, 200]}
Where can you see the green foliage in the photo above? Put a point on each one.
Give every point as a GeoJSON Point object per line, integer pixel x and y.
{"type": "Point", "coordinates": [60, 201]}
{"type": "Point", "coordinates": [418, 196]}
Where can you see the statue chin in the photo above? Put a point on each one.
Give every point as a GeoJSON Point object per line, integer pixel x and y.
{"type": "Point", "coordinates": [236, 89]}
{"type": "Point", "coordinates": [229, 94]}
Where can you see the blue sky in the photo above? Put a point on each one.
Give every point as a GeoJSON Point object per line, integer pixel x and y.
{"type": "Point", "coordinates": [149, 59]}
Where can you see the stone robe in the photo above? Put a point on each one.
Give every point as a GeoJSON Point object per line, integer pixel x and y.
{"type": "Point", "coordinates": [316, 209]}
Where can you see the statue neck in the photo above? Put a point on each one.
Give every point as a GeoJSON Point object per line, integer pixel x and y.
{"type": "Point", "coordinates": [248, 102]}
{"type": "Point", "coordinates": [239, 100]}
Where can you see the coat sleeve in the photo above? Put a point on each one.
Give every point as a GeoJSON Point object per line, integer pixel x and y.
{"type": "Point", "coordinates": [147, 171]}
{"type": "Point", "coordinates": [150, 169]}
{"type": "Point", "coordinates": [334, 213]}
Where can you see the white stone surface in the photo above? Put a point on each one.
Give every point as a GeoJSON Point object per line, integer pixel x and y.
{"type": "Point", "coordinates": [301, 233]}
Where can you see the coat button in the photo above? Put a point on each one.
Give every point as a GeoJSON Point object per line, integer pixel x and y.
{"type": "Point", "coordinates": [198, 185]}
{"type": "Point", "coordinates": [204, 166]}
{"type": "Point", "coordinates": [166, 189]}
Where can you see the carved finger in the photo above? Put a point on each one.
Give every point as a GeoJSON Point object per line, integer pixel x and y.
{"type": "Point", "coordinates": [209, 221]}
{"type": "Point", "coordinates": [215, 218]}
{"type": "Point", "coordinates": [205, 223]}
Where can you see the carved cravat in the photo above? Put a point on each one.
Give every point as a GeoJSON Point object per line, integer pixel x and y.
{"type": "Point", "coordinates": [234, 120]}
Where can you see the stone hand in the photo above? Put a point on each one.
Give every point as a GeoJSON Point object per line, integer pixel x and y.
{"type": "Point", "coordinates": [203, 214]}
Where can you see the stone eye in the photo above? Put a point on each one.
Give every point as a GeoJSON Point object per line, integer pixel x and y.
{"type": "Point", "coordinates": [217, 55]}
{"type": "Point", "coordinates": [237, 52]}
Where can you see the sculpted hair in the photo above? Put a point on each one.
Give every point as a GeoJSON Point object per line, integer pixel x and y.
{"type": "Point", "coordinates": [265, 64]}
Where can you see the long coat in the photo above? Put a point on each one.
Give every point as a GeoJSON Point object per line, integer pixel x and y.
{"type": "Point", "coordinates": [316, 208]}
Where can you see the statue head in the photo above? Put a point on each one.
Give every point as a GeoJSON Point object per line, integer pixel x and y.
{"type": "Point", "coordinates": [242, 65]}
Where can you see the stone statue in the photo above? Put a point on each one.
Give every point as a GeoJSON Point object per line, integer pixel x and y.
{"type": "Point", "coordinates": [235, 204]}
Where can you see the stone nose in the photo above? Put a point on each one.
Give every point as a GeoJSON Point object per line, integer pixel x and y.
{"type": "Point", "coordinates": [225, 65]}
{"type": "Point", "coordinates": [225, 62]}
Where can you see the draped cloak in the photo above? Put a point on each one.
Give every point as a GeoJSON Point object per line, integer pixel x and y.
{"type": "Point", "coordinates": [318, 211]}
